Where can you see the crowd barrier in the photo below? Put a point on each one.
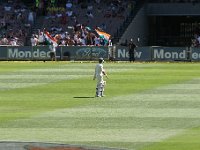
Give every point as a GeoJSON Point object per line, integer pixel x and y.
{"type": "Point", "coordinates": [90, 53]}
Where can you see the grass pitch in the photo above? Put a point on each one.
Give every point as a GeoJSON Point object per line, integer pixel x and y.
{"type": "Point", "coordinates": [148, 106]}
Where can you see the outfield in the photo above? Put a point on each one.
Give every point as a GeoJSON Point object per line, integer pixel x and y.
{"type": "Point", "coordinates": [148, 106]}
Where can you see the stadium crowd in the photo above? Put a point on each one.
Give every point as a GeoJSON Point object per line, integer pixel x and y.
{"type": "Point", "coordinates": [16, 21]}
{"type": "Point", "coordinates": [195, 41]}
{"type": "Point", "coordinates": [75, 23]}
{"type": "Point", "coordinates": [69, 22]}
{"type": "Point", "coordinates": [81, 36]}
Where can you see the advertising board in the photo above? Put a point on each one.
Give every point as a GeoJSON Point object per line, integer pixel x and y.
{"type": "Point", "coordinates": [90, 53]}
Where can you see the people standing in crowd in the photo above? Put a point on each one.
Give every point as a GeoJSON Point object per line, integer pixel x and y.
{"type": "Point", "coordinates": [131, 48]}
{"type": "Point", "coordinates": [61, 17]}
{"type": "Point", "coordinates": [31, 18]}
{"type": "Point", "coordinates": [14, 25]}
{"type": "Point", "coordinates": [34, 40]}
{"type": "Point", "coordinates": [41, 38]}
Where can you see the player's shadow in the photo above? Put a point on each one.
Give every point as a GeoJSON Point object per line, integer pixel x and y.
{"type": "Point", "coordinates": [84, 97]}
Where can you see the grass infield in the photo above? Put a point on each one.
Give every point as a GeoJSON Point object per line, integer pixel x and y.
{"type": "Point", "coordinates": [148, 106]}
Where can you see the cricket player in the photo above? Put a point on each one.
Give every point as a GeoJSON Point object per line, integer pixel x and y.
{"type": "Point", "coordinates": [52, 48]}
{"type": "Point", "coordinates": [98, 75]}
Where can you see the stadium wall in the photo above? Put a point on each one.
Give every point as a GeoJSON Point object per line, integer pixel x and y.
{"type": "Point", "coordinates": [138, 29]}
{"type": "Point", "coordinates": [173, 9]}
{"type": "Point", "coordinates": [91, 53]}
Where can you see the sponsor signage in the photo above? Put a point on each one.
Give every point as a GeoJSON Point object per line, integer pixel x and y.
{"type": "Point", "coordinates": [141, 53]}
{"type": "Point", "coordinates": [3, 53]}
{"type": "Point", "coordinates": [195, 54]}
{"type": "Point", "coordinates": [119, 53]}
{"type": "Point", "coordinates": [16, 52]}
{"type": "Point", "coordinates": [40, 52]}
{"type": "Point", "coordinates": [169, 53]}
{"type": "Point", "coordinates": [29, 52]}
{"type": "Point", "coordinates": [84, 52]}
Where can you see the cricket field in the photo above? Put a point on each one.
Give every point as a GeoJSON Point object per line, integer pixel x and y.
{"type": "Point", "coordinates": [148, 106]}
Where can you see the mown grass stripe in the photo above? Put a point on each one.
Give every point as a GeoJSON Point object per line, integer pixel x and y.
{"type": "Point", "coordinates": [124, 112]}
{"type": "Point", "coordinates": [21, 81]}
{"type": "Point", "coordinates": [59, 134]}
{"type": "Point", "coordinates": [140, 103]}
{"type": "Point", "coordinates": [149, 95]}
{"type": "Point", "coordinates": [103, 123]}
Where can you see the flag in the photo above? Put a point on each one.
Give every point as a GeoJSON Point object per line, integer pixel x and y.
{"type": "Point", "coordinates": [103, 34]}
{"type": "Point", "coordinates": [88, 28]}
{"type": "Point", "coordinates": [50, 39]}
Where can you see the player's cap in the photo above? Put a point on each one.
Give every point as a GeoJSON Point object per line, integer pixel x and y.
{"type": "Point", "coordinates": [101, 60]}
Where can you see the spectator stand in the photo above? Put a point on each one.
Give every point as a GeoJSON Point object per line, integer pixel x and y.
{"type": "Point", "coordinates": [70, 19]}
{"type": "Point", "coordinates": [16, 23]}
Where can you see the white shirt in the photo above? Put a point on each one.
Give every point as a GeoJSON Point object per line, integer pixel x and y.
{"type": "Point", "coordinates": [52, 48]}
{"type": "Point", "coordinates": [69, 13]}
{"type": "Point", "coordinates": [96, 41]}
{"type": "Point", "coordinates": [34, 41]}
{"type": "Point", "coordinates": [83, 41]}
{"type": "Point", "coordinates": [99, 70]}
{"type": "Point", "coordinates": [14, 43]}
{"type": "Point", "coordinates": [99, 74]}
{"type": "Point", "coordinates": [41, 38]}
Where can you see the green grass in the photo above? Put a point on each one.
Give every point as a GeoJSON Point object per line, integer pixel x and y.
{"type": "Point", "coordinates": [148, 106]}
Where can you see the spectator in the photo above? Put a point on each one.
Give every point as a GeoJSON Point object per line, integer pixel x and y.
{"type": "Point", "coordinates": [63, 19]}
{"type": "Point", "coordinates": [89, 14]}
{"type": "Point", "coordinates": [96, 41]}
{"type": "Point", "coordinates": [7, 8]}
{"type": "Point", "coordinates": [13, 42]}
{"type": "Point", "coordinates": [34, 40]}
{"type": "Point", "coordinates": [69, 5]}
{"type": "Point", "coordinates": [41, 39]}
{"type": "Point", "coordinates": [83, 43]}
{"type": "Point", "coordinates": [31, 18]}
{"type": "Point", "coordinates": [4, 41]}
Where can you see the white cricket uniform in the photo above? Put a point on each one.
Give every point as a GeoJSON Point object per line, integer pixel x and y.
{"type": "Point", "coordinates": [99, 73]}
{"type": "Point", "coordinates": [100, 82]}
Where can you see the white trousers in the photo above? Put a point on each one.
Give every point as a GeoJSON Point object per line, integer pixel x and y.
{"type": "Point", "coordinates": [100, 86]}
